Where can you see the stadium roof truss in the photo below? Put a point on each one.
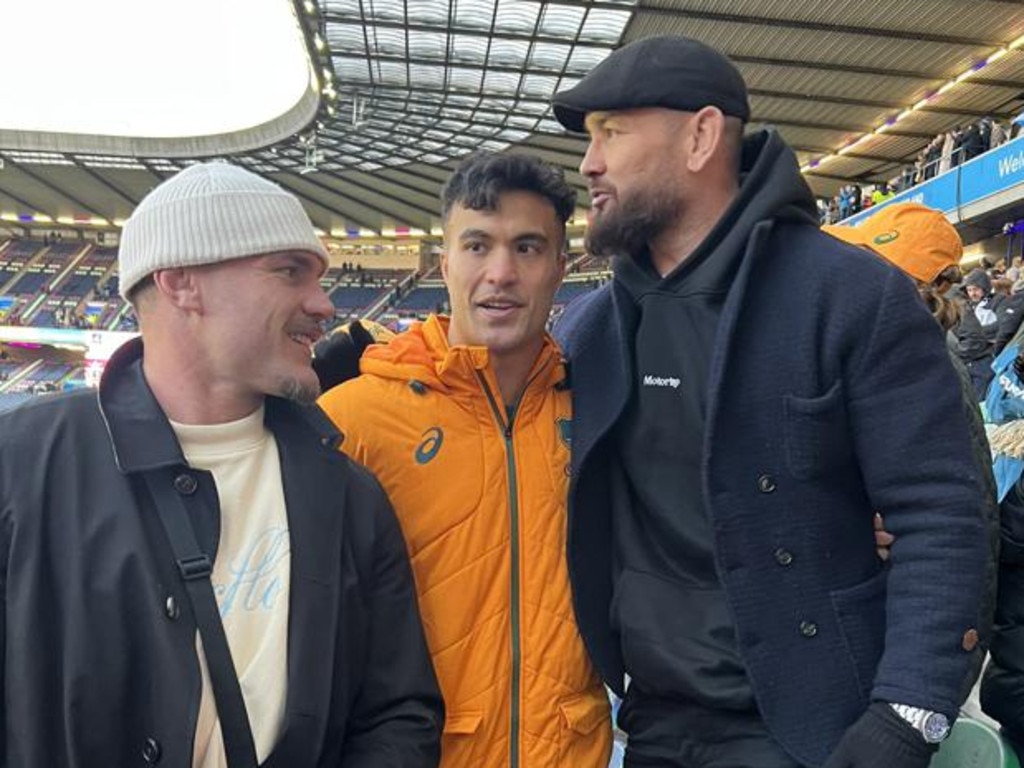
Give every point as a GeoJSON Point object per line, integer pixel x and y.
{"type": "Point", "coordinates": [406, 87]}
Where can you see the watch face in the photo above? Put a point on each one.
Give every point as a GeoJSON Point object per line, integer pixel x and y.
{"type": "Point", "coordinates": [935, 728]}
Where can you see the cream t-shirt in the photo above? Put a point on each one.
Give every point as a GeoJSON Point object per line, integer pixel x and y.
{"type": "Point", "coordinates": [251, 577]}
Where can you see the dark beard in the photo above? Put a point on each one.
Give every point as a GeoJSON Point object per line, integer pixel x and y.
{"type": "Point", "coordinates": [636, 221]}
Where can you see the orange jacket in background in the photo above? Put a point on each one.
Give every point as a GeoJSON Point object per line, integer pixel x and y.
{"type": "Point", "coordinates": [483, 509]}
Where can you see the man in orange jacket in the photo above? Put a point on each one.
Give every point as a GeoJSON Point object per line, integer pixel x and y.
{"type": "Point", "coordinates": [466, 422]}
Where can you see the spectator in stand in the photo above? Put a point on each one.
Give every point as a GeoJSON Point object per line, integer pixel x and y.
{"type": "Point", "coordinates": [949, 141]}
{"type": "Point", "coordinates": [882, 193]}
{"type": "Point", "coordinates": [983, 301]}
{"type": "Point", "coordinates": [1013, 272]}
{"type": "Point", "coordinates": [972, 142]}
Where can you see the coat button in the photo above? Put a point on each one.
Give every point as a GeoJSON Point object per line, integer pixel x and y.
{"type": "Point", "coordinates": [783, 556]}
{"type": "Point", "coordinates": [418, 387]}
{"type": "Point", "coordinates": [766, 483]}
{"type": "Point", "coordinates": [151, 751]}
{"type": "Point", "coordinates": [808, 628]}
{"type": "Point", "coordinates": [970, 640]}
{"type": "Point", "coordinates": [171, 608]}
{"type": "Point", "coordinates": [185, 484]}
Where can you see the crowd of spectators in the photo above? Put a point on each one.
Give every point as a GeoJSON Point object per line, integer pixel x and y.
{"type": "Point", "coordinates": [943, 153]}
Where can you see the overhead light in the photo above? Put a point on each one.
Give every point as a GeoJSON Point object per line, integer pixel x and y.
{"type": "Point", "coordinates": [318, 42]}
{"type": "Point", "coordinates": [920, 104]}
{"type": "Point", "coordinates": [310, 7]}
{"type": "Point", "coordinates": [328, 74]}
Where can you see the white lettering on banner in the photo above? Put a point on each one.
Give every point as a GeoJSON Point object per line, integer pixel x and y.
{"type": "Point", "coordinates": [1012, 164]}
{"type": "Point", "coordinates": [661, 381]}
{"type": "Point", "coordinates": [1009, 387]}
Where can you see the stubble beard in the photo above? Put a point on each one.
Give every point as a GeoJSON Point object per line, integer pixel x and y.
{"type": "Point", "coordinates": [298, 391]}
{"type": "Point", "coordinates": [633, 223]}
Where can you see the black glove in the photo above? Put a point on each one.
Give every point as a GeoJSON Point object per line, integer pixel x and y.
{"type": "Point", "coordinates": [336, 358]}
{"type": "Point", "coordinates": [881, 739]}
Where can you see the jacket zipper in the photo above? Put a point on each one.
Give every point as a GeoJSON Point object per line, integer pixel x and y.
{"type": "Point", "coordinates": [513, 503]}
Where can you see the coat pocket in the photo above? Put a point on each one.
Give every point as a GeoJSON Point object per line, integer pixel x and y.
{"type": "Point", "coordinates": [584, 733]}
{"type": "Point", "coordinates": [860, 613]}
{"type": "Point", "coordinates": [460, 742]}
{"type": "Point", "coordinates": [462, 723]}
{"type": "Point", "coordinates": [817, 433]}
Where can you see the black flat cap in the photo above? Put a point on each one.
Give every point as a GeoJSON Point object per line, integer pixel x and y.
{"type": "Point", "coordinates": [672, 72]}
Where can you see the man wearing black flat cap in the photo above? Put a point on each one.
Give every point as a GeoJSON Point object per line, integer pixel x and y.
{"type": "Point", "coordinates": [740, 414]}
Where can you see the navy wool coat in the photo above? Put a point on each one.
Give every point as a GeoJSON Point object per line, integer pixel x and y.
{"type": "Point", "coordinates": [831, 396]}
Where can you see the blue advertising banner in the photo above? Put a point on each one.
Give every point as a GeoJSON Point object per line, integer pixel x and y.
{"type": "Point", "coordinates": [991, 173]}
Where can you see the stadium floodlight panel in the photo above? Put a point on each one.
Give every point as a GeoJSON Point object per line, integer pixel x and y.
{"type": "Point", "coordinates": [159, 69]}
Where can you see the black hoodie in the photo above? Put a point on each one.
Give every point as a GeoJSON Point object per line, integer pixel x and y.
{"type": "Point", "coordinates": [677, 633]}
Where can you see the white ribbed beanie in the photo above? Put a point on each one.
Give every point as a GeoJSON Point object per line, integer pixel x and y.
{"type": "Point", "coordinates": [208, 213]}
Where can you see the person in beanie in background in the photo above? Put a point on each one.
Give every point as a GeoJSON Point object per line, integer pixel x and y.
{"type": "Point", "coordinates": [193, 574]}
{"type": "Point", "coordinates": [467, 422]}
{"type": "Point", "coordinates": [984, 301]}
{"type": "Point", "coordinates": [747, 393]}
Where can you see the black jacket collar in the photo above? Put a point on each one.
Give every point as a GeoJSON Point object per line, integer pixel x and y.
{"type": "Point", "coordinates": [141, 435]}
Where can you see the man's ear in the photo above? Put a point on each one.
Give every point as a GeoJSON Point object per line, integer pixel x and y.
{"type": "Point", "coordinates": [705, 135]}
{"type": "Point", "coordinates": [180, 287]}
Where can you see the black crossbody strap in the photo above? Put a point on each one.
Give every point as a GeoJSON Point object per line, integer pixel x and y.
{"type": "Point", "coordinates": [195, 568]}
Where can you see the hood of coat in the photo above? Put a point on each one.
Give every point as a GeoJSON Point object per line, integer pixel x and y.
{"type": "Point", "coordinates": [423, 354]}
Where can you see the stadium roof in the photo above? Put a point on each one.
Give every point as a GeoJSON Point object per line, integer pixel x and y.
{"type": "Point", "coordinates": [399, 89]}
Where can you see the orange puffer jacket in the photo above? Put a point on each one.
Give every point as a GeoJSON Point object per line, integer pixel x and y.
{"type": "Point", "coordinates": [482, 504]}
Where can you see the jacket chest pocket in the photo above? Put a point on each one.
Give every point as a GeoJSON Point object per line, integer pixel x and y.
{"type": "Point", "coordinates": [817, 433]}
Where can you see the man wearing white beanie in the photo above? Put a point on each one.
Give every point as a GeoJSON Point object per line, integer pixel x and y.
{"type": "Point", "coordinates": [192, 574]}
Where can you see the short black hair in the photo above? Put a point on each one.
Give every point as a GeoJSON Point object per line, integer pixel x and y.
{"type": "Point", "coordinates": [479, 181]}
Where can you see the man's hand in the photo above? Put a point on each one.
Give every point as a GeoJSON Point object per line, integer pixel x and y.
{"type": "Point", "coordinates": [883, 539]}
{"type": "Point", "coordinates": [881, 738]}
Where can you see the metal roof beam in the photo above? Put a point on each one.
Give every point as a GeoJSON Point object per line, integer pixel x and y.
{"type": "Point", "coordinates": [852, 155]}
{"type": "Point", "coordinates": [27, 204]}
{"type": "Point", "coordinates": [277, 178]}
{"type": "Point", "coordinates": [825, 66]}
{"type": "Point", "coordinates": [40, 180]}
{"type": "Point", "coordinates": [415, 26]}
{"type": "Point", "coordinates": [820, 26]}
{"type": "Point", "coordinates": [104, 182]}
{"type": "Point", "coordinates": [848, 102]}
{"type": "Point", "coordinates": [838, 128]}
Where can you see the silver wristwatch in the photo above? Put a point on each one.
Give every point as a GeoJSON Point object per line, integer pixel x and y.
{"type": "Point", "coordinates": [933, 726]}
